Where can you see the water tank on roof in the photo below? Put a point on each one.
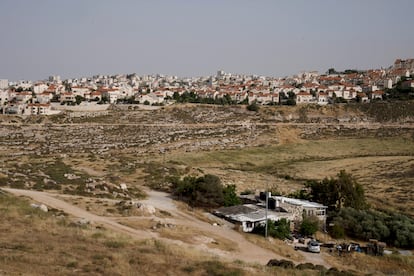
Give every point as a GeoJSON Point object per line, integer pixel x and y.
{"type": "Point", "coordinates": [271, 203]}
{"type": "Point", "coordinates": [262, 196]}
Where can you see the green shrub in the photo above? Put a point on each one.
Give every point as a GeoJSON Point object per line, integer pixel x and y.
{"type": "Point", "coordinates": [205, 191]}
{"type": "Point", "coordinates": [309, 226]}
{"type": "Point", "coordinates": [343, 191]}
{"type": "Point", "coordinates": [247, 192]}
{"type": "Point", "coordinates": [276, 229]}
{"type": "Point", "coordinates": [394, 229]}
{"type": "Point", "coordinates": [337, 232]}
{"type": "Point", "coordinates": [253, 107]}
{"type": "Point", "coordinates": [230, 196]}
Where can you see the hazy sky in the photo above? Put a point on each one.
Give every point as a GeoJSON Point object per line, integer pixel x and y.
{"type": "Point", "coordinates": [77, 38]}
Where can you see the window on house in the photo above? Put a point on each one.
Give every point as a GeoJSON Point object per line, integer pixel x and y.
{"type": "Point", "coordinates": [320, 213]}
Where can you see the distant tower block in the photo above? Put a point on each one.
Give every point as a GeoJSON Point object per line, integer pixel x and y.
{"type": "Point", "coordinates": [4, 84]}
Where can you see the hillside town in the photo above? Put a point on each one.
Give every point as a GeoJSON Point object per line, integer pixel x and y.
{"type": "Point", "coordinates": [50, 97]}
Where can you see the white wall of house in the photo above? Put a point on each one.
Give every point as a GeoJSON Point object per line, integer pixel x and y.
{"type": "Point", "coordinates": [24, 96]}
{"type": "Point", "coordinates": [302, 98]}
{"type": "Point", "coordinates": [4, 84]}
{"type": "Point", "coordinates": [113, 96]}
{"type": "Point", "coordinates": [44, 97]}
{"type": "Point", "coordinates": [80, 91]}
{"type": "Point", "coordinates": [4, 97]}
{"type": "Point", "coordinates": [40, 88]}
{"type": "Point", "coordinates": [323, 99]}
{"type": "Point", "coordinates": [38, 109]}
{"type": "Point", "coordinates": [151, 98]}
{"type": "Point", "coordinates": [67, 97]}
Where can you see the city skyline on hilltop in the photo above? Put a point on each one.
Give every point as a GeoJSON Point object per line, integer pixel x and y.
{"type": "Point", "coordinates": [197, 38]}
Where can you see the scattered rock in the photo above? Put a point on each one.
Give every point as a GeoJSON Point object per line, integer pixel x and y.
{"type": "Point", "coordinates": [83, 221]}
{"type": "Point", "coordinates": [320, 267]}
{"type": "Point", "coordinates": [163, 225]}
{"type": "Point", "coordinates": [41, 207]}
{"type": "Point", "coordinates": [305, 266]}
{"type": "Point", "coordinates": [147, 209]}
{"type": "Point", "coordinates": [281, 263]}
{"type": "Point", "coordinates": [71, 176]}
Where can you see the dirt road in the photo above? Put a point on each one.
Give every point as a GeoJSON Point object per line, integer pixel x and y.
{"type": "Point", "coordinates": [247, 251]}
{"type": "Point", "coordinates": [50, 200]}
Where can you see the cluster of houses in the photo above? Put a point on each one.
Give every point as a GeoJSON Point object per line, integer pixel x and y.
{"type": "Point", "coordinates": [26, 97]}
{"type": "Point", "coordinates": [254, 212]}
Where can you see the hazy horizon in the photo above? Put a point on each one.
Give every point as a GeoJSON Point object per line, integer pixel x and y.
{"type": "Point", "coordinates": [196, 38]}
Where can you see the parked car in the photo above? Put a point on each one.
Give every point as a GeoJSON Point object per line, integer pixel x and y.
{"type": "Point", "coordinates": [314, 247]}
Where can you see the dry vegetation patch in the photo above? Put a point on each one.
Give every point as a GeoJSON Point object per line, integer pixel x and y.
{"type": "Point", "coordinates": [250, 150]}
{"type": "Point", "coordinates": [365, 264]}
{"type": "Point", "coordinates": [176, 231]}
{"type": "Point", "coordinates": [383, 166]}
{"type": "Point", "coordinates": [58, 247]}
{"type": "Point", "coordinates": [275, 245]}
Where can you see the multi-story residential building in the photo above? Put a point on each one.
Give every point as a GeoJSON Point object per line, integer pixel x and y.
{"type": "Point", "coordinates": [40, 88]}
{"type": "Point", "coordinates": [80, 91]}
{"type": "Point", "coordinates": [304, 97]}
{"type": "Point", "coordinates": [388, 83]}
{"type": "Point", "coordinates": [24, 96]}
{"type": "Point", "coordinates": [38, 109]}
{"type": "Point", "coordinates": [55, 79]}
{"type": "Point", "coordinates": [4, 97]}
{"type": "Point", "coordinates": [404, 64]}
{"type": "Point", "coordinates": [322, 98]}
{"type": "Point", "coordinates": [23, 84]}
{"type": "Point", "coordinates": [4, 83]}
{"type": "Point", "coordinates": [44, 97]}
{"type": "Point", "coordinates": [67, 97]}
{"type": "Point", "coordinates": [111, 94]}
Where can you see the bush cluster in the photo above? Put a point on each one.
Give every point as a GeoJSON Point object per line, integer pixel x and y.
{"type": "Point", "coordinates": [309, 226]}
{"type": "Point", "coordinates": [342, 191]}
{"type": "Point", "coordinates": [205, 191]}
{"type": "Point", "coordinates": [276, 229]}
{"type": "Point", "coordinates": [394, 229]}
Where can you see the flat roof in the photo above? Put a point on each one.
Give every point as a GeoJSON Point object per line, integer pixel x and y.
{"type": "Point", "coordinates": [299, 202]}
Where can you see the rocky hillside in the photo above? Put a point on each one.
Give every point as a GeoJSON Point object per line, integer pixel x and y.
{"type": "Point", "coordinates": [196, 127]}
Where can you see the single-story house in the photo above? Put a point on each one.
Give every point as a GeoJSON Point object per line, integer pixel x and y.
{"type": "Point", "coordinates": [249, 216]}
{"type": "Point", "coordinates": [300, 208]}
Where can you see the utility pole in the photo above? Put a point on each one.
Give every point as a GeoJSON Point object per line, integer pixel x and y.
{"type": "Point", "coordinates": [267, 202]}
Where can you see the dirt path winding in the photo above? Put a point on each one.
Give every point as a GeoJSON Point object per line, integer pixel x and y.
{"type": "Point", "coordinates": [247, 251]}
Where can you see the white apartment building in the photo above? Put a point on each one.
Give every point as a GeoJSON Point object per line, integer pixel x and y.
{"type": "Point", "coordinates": [38, 109]}
{"type": "Point", "coordinates": [4, 83]}
{"type": "Point", "coordinates": [40, 88]}
{"type": "Point", "coordinates": [4, 97]}
{"type": "Point", "coordinates": [304, 97]}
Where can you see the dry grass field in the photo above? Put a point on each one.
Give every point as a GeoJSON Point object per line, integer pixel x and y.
{"type": "Point", "coordinates": [37, 243]}
{"type": "Point", "coordinates": [384, 166]}
{"type": "Point", "coordinates": [278, 148]}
